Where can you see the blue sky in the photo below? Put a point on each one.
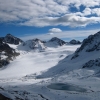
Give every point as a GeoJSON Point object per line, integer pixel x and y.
{"type": "Point", "coordinates": [44, 19]}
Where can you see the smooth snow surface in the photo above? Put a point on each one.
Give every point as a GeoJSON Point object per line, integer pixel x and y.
{"type": "Point", "coordinates": [31, 62]}
{"type": "Point", "coordinates": [30, 74]}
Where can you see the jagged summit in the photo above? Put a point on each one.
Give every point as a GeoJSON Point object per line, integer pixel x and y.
{"type": "Point", "coordinates": [57, 41]}
{"type": "Point", "coordinates": [92, 43]}
{"type": "Point", "coordinates": [12, 39]}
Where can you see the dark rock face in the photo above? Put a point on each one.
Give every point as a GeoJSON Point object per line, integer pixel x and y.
{"type": "Point", "coordinates": [57, 40]}
{"type": "Point", "coordinates": [92, 43]}
{"type": "Point", "coordinates": [4, 62]}
{"type": "Point", "coordinates": [75, 42]}
{"type": "Point", "coordinates": [6, 50]}
{"type": "Point", "coordinates": [92, 63]}
{"type": "Point", "coordinates": [2, 97]}
{"type": "Point", "coordinates": [1, 38]}
{"type": "Point", "coordinates": [11, 39]}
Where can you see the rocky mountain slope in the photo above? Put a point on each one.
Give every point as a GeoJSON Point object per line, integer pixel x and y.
{"type": "Point", "coordinates": [92, 63]}
{"type": "Point", "coordinates": [86, 56]}
{"type": "Point", "coordinates": [6, 53]}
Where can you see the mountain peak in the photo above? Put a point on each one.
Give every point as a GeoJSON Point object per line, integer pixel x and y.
{"type": "Point", "coordinates": [92, 43]}
{"type": "Point", "coordinates": [8, 34]}
{"type": "Point", "coordinates": [58, 41]}
{"type": "Point", "coordinates": [54, 38]}
{"type": "Point", "coordinates": [12, 39]}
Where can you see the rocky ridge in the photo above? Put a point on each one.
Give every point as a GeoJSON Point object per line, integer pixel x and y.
{"type": "Point", "coordinates": [90, 44]}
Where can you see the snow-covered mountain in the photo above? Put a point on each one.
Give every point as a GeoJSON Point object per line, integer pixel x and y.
{"type": "Point", "coordinates": [35, 44]}
{"type": "Point", "coordinates": [89, 45]}
{"type": "Point", "coordinates": [12, 39]}
{"type": "Point", "coordinates": [86, 56]}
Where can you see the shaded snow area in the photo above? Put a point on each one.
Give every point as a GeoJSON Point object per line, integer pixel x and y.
{"type": "Point", "coordinates": [50, 75]}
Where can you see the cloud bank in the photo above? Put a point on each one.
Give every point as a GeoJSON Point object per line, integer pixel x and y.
{"type": "Point", "coordinates": [42, 13]}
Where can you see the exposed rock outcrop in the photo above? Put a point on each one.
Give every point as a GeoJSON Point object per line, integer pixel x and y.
{"type": "Point", "coordinates": [6, 53]}
{"type": "Point", "coordinates": [92, 63]}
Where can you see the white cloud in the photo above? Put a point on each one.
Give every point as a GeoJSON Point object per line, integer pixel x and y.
{"type": "Point", "coordinates": [50, 33]}
{"type": "Point", "coordinates": [96, 11]}
{"type": "Point", "coordinates": [48, 12]}
{"type": "Point", "coordinates": [55, 30]}
{"type": "Point", "coordinates": [87, 11]}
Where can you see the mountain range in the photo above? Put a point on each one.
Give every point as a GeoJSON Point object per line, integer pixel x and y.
{"type": "Point", "coordinates": [40, 70]}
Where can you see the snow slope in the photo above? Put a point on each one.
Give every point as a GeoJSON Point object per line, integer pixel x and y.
{"type": "Point", "coordinates": [31, 62]}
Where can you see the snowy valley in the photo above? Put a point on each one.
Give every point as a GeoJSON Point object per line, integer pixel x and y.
{"type": "Point", "coordinates": [50, 70]}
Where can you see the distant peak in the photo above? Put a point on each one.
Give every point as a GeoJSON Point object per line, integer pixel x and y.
{"type": "Point", "coordinates": [57, 41]}
{"type": "Point", "coordinates": [75, 42]}
{"type": "Point", "coordinates": [8, 34]}
{"type": "Point", "coordinates": [54, 38]}
{"type": "Point", "coordinates": [36, 39]}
